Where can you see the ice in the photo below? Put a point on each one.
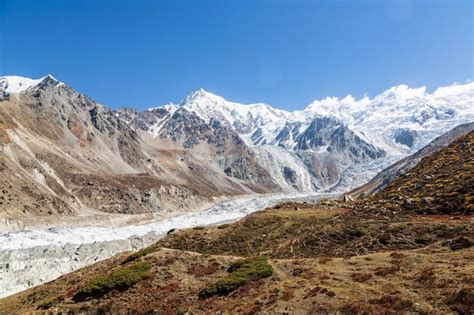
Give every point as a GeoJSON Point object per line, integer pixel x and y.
{"type": "Point", "coordinates": [32, 257]}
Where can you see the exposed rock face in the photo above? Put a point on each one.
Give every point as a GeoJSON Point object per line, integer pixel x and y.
{"type": "Point", "coordinates": [405, 137]}
{"type": "Point", "coordinates": [290, 175]}
{"type": "Point", "coordinates": [405, 165]}
{"type": "Point", "coordinates": [340, 142]}
{"type": "Point", "coordinates": [326, 134]}
{"type": "Point", "coordinates": [4, 95]}
{"type": "Point", "coordinates": [62, 153]}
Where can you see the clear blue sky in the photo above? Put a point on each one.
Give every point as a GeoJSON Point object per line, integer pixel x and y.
{"type": "Point", "coordinates": [285, 53]}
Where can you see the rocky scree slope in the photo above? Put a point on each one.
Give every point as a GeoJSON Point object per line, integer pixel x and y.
{"type": "Point", "coordinates": [333, 257]}
{"type": "Point", "coordinates": [61, 153]}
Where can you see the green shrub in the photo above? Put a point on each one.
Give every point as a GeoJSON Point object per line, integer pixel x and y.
{"type": "Point", "coordinates": [278, 205]}
{"type": "Point", "coordinates": [47, 304]}
{"type": "Point", "coordinates": [223, 226]}
{"type": "Point", "coordinates": [199, 228]}
{"type": "Point", "coordinates": [142, 252]}
{"type": "Point", "coordinates": [240, 273]}
{"type": "Point", "coordinates": [121, 278]}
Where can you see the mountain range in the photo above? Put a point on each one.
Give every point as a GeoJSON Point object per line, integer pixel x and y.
{"type": "Point", "coordinates": [63, 153]}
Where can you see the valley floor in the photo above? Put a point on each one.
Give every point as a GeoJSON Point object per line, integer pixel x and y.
{"type": "Point", "coordinates": [34, 256]}
{"type": "Point", "coordinates": [410, 264]}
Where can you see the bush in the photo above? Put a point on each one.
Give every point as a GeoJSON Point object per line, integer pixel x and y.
{"type": "Point", "coordinates": [279, 205]}
{"type": "Point", "coordinates": [223, 226]}
{"type": "Point", "coordinates": [121, 278]}
{"type": "Point", "coordinates": [361, 277]}
{"type": "Point", "coordinates": [240, 273]}
{"type": "Point", "coordinates": [462, 301]}
{"type": "Point", "coordinates": [142, 252]}
{"type": "Point", "coordinates": [47, 304]}
{"type": "Point", "coordinates": [199, 228]}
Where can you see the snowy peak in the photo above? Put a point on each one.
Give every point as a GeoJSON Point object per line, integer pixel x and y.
{"type": "Point", "coordinates": [48, 80]}
{"type": "Point", "coordinates": [201, 95]}
{"type": "Point", "coordinates": [401, 94]}
{"type": "Point", "coordinates": [247, 120]}
{"type": "Point", "coordinates": [412, 110]}
{"type": "Point", "coordinates": [381, 120]}
{"type": "Point", "coordinates": [17, 84]}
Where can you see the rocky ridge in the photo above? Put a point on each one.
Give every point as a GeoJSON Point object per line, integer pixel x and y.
{"type": "Point", "coordinates": [63, 154]}
{"type": "Point", "coordinates": [332, 139]}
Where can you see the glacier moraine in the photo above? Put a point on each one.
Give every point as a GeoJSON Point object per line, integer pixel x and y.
{"type": "Point", "coordinates": [33, 257]}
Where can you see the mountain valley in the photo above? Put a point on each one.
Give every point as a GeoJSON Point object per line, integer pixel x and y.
{"type": "Point", "coordinates": [406, 249]}
{"type": "Point", "coordinates": [81, 182]}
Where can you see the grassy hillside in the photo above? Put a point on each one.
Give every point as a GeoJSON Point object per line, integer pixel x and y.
{"type": "Point", "coordinates": [407, 249]}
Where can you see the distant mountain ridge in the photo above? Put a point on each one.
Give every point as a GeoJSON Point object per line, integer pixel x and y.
{"type": "Point", "coordinates": [332, 139]}
{"type": "Point", "coordinates": [72, 155]}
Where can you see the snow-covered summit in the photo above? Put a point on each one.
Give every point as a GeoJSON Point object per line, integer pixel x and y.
{"type": "Point", "coordinates": [396, 99]}
{"type": "Point", "coordinates": [377, 119]}
{"type": "Point", "coordinates": [18, 84]}
{"type": "Point", "coordinates": [243, 118]}
{"type": "Point", "coordinates": [402, 109]}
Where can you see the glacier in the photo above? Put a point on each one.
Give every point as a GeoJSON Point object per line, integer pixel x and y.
{"type": "Point", "coordinates": [32, 257]}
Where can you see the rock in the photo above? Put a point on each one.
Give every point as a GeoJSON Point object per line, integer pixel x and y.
{"type": "Point", "coordinates": [459, 243]}
{"type": "Point", "coordinates": [428, 199]}
{"type": "Point", "coordinates": [170, 231]}
{"type": "Point", "coordinates": [397, 198]}
{"type": "Point", "coordinates": [348, 198]}
{"type": "Point", "coordinates": [405, 136]}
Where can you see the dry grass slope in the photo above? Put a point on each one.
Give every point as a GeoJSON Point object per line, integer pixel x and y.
{"type": "Point", "coordinates": [391, 253]}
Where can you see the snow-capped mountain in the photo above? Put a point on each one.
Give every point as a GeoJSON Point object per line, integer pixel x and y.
{"type": "Point", "coordinates": [400, 110]}
{"type": "Point", "coordinates": [62, 154]}
{"type": "Point", "coordinates": [245, 119]}
{"type": "Point", "coordinates": [17, 84]}
{"type": "Point", "coordinates": [332, 144]}
{"type": "Point", "coordinates": [339, 141]}
{"type": "Point", "coordinates": [402, 119]}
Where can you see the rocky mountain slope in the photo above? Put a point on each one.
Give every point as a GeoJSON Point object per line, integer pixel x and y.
{"type": "Point", "coordinates": [63, 154]}
{"type": "Point", "coordinates": [382, 254]}
{"type": "Point", "coordinates": [327, 144]}
{"type": "Point", "coordinates": [406, 164]}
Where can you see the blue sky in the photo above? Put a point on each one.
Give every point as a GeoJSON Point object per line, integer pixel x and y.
{"type": "Point", "coordinates": [285, 53]}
